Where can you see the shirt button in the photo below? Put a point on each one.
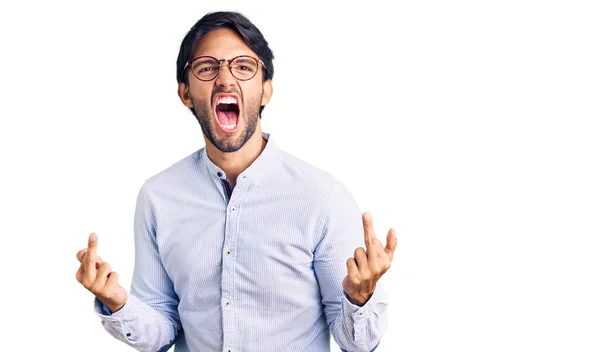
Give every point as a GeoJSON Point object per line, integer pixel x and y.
{"type": "Point", "coordinates": [228, 252]}
{"type": "Point", "coordinates": [128, 334]}
{"type": "Point", "coordinates": [233, 209]}
{"type": "Point", "coordinates": [227, 304]}
{"type": "Point", "coordinates": [219, 174]}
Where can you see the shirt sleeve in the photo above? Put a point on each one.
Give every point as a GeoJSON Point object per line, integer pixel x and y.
{"type": "Point", "coordinates": [149, 320]}
{"type": "Point", "coordinates": [353, 328]}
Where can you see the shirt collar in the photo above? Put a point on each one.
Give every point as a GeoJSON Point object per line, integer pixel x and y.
{"type": "Point", "coordinates": [260, 168]}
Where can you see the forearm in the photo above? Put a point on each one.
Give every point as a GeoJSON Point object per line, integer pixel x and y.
{"type": "Point", "coordinates": [361, 328]}
{"type": "Point", "coordinates": [139, 325]}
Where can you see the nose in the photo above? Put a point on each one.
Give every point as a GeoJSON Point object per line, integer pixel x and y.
{"type": "Point", "coordinates": [224, 77]}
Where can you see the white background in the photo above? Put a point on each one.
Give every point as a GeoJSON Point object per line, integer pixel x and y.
{"type": "Point", "coordinates": [469, 126]}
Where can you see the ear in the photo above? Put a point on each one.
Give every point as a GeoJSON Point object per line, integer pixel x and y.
{"type": "Point", "coordinates": [184, 94]}
{"type": "Point", "coordinates": [267, 92]}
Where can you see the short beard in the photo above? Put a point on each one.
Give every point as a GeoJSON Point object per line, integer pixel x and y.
{"type": "Point", "coordinates": [204, 115]}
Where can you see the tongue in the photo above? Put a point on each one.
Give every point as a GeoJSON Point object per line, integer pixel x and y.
{"type": "Point", "coordinates": [227, 117]}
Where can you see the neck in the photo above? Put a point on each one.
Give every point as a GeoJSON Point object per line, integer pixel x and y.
{"type": "Point", "coordinates": [235, 163]}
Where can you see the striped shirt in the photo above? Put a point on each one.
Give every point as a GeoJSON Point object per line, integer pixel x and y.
{"type": "Point", "coordinates": [255, 268]}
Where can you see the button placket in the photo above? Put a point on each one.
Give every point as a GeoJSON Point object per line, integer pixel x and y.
{"type": "Point", "coordinates": [229, 311]}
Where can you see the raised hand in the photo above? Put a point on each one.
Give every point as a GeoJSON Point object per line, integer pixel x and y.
{"type": "Point", "coordinates": [366, 267]}
{"type": "Point", "coordinates": [96, 275]}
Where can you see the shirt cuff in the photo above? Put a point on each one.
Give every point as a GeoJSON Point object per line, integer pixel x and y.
{"type": "Point", "coordinates": [119, 324]}
{"type": "Point", "coordinates": [101, 308]}
{"type": "Point", "coordinates": [378, 296]}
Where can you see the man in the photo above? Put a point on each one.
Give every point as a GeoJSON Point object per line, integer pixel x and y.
{"type": "Point", "coordinates": [241, 246]}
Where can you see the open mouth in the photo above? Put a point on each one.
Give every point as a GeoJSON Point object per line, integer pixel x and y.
{"type": "Point", "coordinates": [227, 111]}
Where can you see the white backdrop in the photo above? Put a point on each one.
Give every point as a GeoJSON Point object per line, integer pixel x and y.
{"type": "Point", "coordinates": [469, 126]}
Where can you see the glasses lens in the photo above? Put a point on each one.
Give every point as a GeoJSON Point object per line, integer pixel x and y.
{"type": "Point", "coordinates": [205, 68]}
{"type": "Point", "coordinates": [244, 68]}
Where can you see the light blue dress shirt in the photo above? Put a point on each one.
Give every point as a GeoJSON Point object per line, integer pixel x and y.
{"type": "Point", "coordinates": [254, 268]}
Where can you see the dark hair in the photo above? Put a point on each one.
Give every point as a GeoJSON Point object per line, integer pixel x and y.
{"type": "Point", "coordinates": [225, 19]}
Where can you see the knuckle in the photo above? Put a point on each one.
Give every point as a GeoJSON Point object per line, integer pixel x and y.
{"type": "Point", "coordinates": [89, 259]}
{"type": "Point", "coordinates": [387, 263]}
{"type": "Point", "coordinates": [376, 268]}
{"type": "Point", "coordinates": [97, 289]}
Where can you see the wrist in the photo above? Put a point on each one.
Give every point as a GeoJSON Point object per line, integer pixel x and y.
{"type": "Point", "coordinates": [113, 308]}
{"type": "Point", "coordinates": [358, 299]}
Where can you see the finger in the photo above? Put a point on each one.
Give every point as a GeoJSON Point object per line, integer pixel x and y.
{"type": "Point", "coordinates": [101, 278]}
{"type": "Point", "coordinates": [391, 243]}
{"type": "Point", "coordinates": [81, 254]}
{"type": "Point", "coordinates": [368, 228]}
{"type": "Point", "coordinates": [90, 257]}
{"type": "Point", "coordinates": [92, 244]}
{"type": "Point", "coordinates": [98, 262]}
{"type": "Point", "coordinates": [79, 274]}
{"type": "Point", "coordinates": [352, 267]}
{"type": "Point", "coordinates": [112, 282]}
{"type": "Point", "coordinates": [361, 259]}
{"type": "Point", "coordinates": [88, 275]}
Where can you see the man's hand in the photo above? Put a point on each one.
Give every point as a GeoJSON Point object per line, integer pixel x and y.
{"type": "Point", "coordinates": [367, 267]}
{"type": "Point", "coordinates": [96, 276]}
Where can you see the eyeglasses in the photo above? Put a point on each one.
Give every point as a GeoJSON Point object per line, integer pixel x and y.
{"type": "Point", "coordinates": [206, 68]}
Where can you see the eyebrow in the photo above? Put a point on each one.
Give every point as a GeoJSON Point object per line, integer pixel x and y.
{"type": "Point", "coordinates": [245, 60]}
{"type": "Point", "coordinates": [203, 61]}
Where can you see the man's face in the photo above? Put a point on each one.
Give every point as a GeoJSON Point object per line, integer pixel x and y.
{"type": "Point", "coordinates": [226, 108]}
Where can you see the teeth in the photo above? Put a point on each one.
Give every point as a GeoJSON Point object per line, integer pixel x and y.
{"type": "Point", "coordinates": [227, 100]}
{"type": "Point", "coordinates": [228, 127]}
